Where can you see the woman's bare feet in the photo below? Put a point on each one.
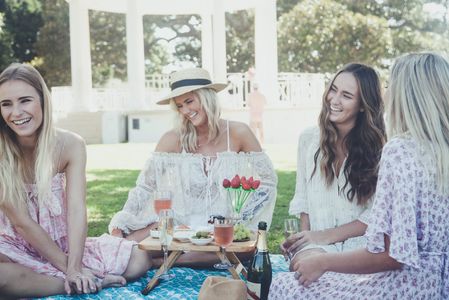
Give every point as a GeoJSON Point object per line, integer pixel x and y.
{"type": "Point", "coordinates": [113, 281]}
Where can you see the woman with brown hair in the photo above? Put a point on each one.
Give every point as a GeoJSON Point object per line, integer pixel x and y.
{"type": "Point", "coordinates": [337, 165]}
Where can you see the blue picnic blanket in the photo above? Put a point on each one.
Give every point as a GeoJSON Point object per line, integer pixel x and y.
{"type": "Point", "coordinates": [185, 285]}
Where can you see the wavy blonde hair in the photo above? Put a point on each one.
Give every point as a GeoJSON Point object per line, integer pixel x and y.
{"type": "Point", "coordinates": [13, 168]}
{"type": "Point", "coordinates": [364, 142]}
{"type": "Point", "coordinates": [209, 104]}
{"type": "Point", "coordinates": [419, 105]}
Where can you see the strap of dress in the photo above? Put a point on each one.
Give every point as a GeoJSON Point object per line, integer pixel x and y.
{"type": "Point", "coordinates": [227, 133]}
{"type": "Point", "coordinates": [59, 156]}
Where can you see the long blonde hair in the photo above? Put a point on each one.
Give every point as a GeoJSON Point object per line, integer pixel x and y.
{"type": "Point", "coordinates": [209, 103]}
{"type": "Point", "coordinates": [13, 169]}
{"type": "Point", "coordinates": [419, 105]}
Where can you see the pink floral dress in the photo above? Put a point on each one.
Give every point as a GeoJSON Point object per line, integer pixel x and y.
{"type": "Point", "coordinates": [104, 255]}
{"type": "Point", "coordinates": [408, 208]}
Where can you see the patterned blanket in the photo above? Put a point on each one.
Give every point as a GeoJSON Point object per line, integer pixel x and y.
{"type": "Point", "coordinates": [185, 285]}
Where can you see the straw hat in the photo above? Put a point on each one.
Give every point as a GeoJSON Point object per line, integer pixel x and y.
{"type": "Point", "coordinates": [222, 288]}
{"type": "Point", "coordinates": [188, 80]}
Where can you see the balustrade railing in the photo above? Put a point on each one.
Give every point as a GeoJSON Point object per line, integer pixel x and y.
{"type": "Point", "coordinates": [294, 90]}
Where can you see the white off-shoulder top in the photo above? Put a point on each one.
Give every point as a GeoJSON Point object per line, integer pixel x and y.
{"type": "Point", "coordinates": [196, 183]}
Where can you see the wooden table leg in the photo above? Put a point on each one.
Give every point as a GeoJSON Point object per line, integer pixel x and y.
{"type": "Point", "coordinates": [235, 261]}
{"type": "Point", "coordinates": [238, 265]}
{"type": "Point", "coordinates": [174, 255]}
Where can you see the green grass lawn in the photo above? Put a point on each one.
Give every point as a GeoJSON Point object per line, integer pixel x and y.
{"type": "Point", "coordinates": [107, 191]}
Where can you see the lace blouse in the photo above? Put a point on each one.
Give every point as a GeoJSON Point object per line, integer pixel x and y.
{"type": "Point", "coordinates": [196, 183]}
{"type": "Point", "coordinates": [327, 207]}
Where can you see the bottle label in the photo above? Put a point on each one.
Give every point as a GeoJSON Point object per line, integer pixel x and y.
{"type": "Point", "coordinates": [253, 290]}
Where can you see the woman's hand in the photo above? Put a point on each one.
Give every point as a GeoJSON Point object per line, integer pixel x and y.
{"type": "Point", "coordinates": [309, 269]}
{"type": "Point", "coordinates": [117, 232]}
{"type": "Point", "coordinates": [80, 282]}
{"type": "Point", "coordinates": [299, 240]}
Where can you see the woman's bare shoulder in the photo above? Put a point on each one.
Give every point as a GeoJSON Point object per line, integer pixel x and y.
{"type": "Point", "coordinates": [169, 142]}
{"type": "Point", "coordinates": [242, 135]}
{"type": "Point", "coordinates": [69, 139]}
{"type": "Point", "coordinates": [70, 147]}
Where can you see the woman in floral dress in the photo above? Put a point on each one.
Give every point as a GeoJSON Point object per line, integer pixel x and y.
{"type": "Point", "coordinates": [43, 226]}
{"type": "Point", "coordinates": [407, 250]}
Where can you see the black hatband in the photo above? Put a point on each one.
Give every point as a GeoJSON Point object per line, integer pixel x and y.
{"type": "Point", "coordinates": [189, 82]}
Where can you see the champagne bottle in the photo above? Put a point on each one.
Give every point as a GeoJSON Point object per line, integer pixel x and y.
{"type": "Point", "coordinates": [259, 273]}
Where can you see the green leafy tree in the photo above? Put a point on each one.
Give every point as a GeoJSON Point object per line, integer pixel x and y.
{"type": "Point", "coordinates": [6, 53]}
{"type": "Point", "coordinates": [240, 40]}
{"type": "Point", "coordinates": [53, 43]}
{"type": "Point", "coordinates": [20, 21]}
{"type": "Point", "coordinates": [181, 37]}
{"type": "Point", "coordinates": [309, 40]}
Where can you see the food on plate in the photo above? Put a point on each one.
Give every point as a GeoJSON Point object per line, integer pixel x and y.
{"type": "Point", "coordinates": [241, 233]}
{"type": "Point", "coordinates": [201, 235]}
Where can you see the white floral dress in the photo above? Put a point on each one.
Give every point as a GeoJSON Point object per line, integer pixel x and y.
{"type": "Point", "coordinates": [408, 208]}
{"type": "Point", "coordinates": [327, 206]}
{"type": "Point", "coordinates": [196, 182]}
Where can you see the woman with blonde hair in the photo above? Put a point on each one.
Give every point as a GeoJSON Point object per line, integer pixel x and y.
{"type": "Point", "coordinates": [192, 160]}
{"type": "Point", "coordinates": [406, 256]}
{"type": "Point", "coordinates": [43, 245]}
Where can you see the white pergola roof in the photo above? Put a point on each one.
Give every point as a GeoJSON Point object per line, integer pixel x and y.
{"type": "Point", "coordinates": [213, 40]}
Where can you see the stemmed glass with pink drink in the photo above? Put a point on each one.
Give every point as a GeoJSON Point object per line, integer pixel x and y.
{"type": "Point", "coordinates": [162, 200]}
{"type": "Point", "coordinates": [223, 235]}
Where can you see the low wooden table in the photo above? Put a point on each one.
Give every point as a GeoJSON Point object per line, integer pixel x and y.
{"type": "Point", "coordinates": [177, 249]}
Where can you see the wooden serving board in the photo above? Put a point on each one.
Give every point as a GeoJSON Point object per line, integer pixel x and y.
{"type": "Point", "coordinates": [154, 244]}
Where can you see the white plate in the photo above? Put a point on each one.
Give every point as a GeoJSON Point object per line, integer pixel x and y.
{"type": "Point", "coordinates": [155, 234]}
{"type": "Point", "coordinates": [183, 235]}
{"type": "Point", "coordinates": [201, 242]}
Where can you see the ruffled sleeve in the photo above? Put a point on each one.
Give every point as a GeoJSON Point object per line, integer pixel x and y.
{"type": "Point", "coordinates": [262, 202]}
{"type": "Point", "coordinates": [394, 208]}
{"type": "Point", "coordinates": [138, 210]}
{"type": "Point", "coordinates": [299, 203]}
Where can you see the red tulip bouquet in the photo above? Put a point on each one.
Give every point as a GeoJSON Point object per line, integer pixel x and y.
{"type": "Point", "coordinates": [239, 189]}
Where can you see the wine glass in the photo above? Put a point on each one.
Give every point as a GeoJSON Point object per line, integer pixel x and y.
{"type": "Point", "coordinates": [162, 200]}
{"type": "Point", "coordinates": [166, 228]}
{"type": "Point", "coordinates": [223, 235]}
{"type": "Point", "coordinates": [291, 226]}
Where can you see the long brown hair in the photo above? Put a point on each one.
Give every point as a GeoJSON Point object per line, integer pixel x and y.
{"type": "Point", "coordinates": [364, 141]}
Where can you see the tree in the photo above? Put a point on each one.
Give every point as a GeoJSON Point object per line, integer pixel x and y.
{"type": "Point", "coordinates": [322, 35]}
{"type": "Point", "coordinates": [310, 40]}
{"type": "Point", "coordinates": [240, 41]}
{"type": "Point", "coordinates": [53, 43]}
{"type": "Point", "coordinates": [18, 36]}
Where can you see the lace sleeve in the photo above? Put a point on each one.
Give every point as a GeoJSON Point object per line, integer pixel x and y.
{"type": "Point", "coordinates": [138, 210]}
{"type": "Point", "coordinates": [261, 204]}
{"type": "Point", "coordinates": [299, 203]}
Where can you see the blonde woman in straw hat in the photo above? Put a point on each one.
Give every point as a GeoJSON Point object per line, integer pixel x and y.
{"type": "Point", "coordinates": [193, 159]}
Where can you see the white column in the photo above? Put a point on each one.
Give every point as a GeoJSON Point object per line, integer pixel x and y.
{"type": "Point", "coordinates": [207, 53]}
{"type": "Point", "coordinates": [80, 56]}
{"type": "Point", "coordinates": [266, 48]}
{"type": "Point", "coordinates": [135, 55]}
{"type": "Point", "coordinates": [219, 41]}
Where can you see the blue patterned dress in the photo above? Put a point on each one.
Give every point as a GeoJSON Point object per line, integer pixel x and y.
{"type": "Point", "coordinates": [408, 208]}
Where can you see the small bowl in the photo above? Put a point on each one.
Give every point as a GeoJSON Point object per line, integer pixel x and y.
{"type": "Point", "coordinates": [183, 235]}
{"type": "Point", "coordinates": [155, 234]}
{"type": "Point", "coordinates": [201, 242]}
